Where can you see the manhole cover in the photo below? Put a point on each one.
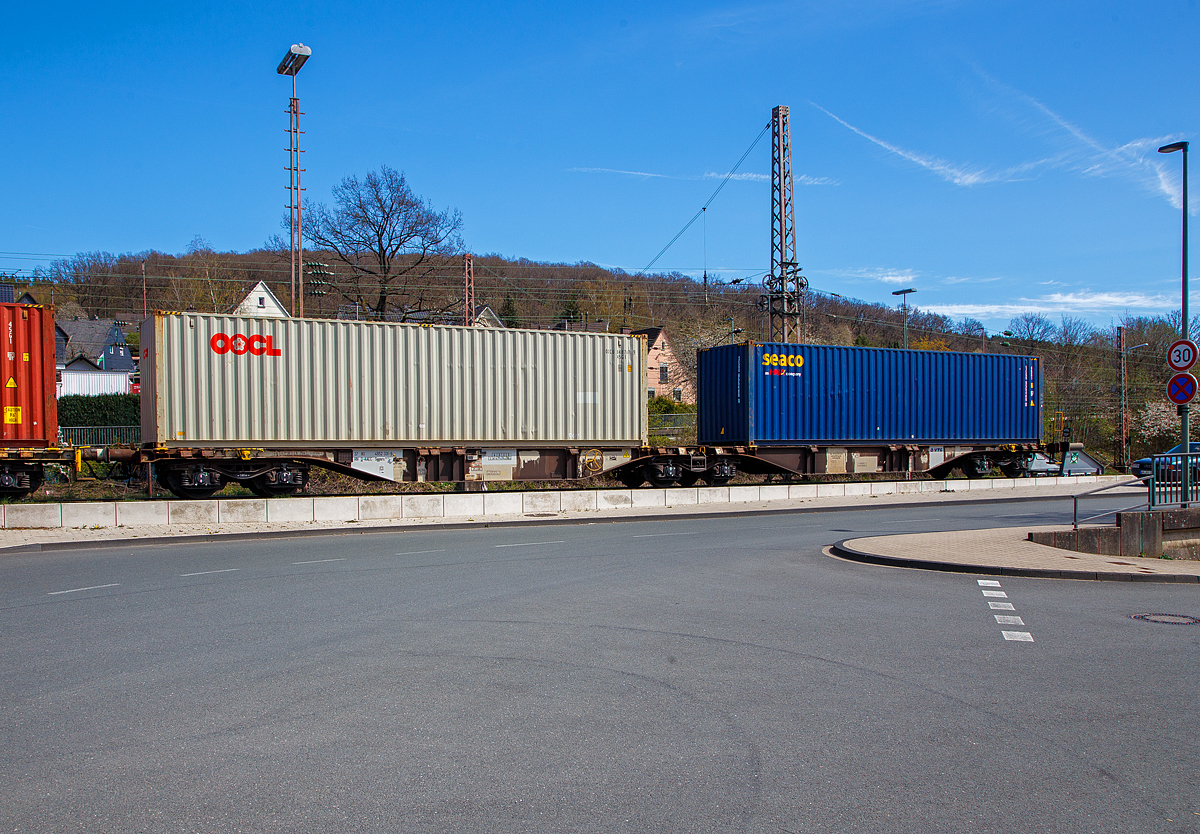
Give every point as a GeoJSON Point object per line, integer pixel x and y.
{"type": "Point", "coordinates": [1168, 619]}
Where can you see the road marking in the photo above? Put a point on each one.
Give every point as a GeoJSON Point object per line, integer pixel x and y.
{"type": "Point", "coordinates": [1004, 619]}
{"type": "Point", "coordinates": [660, 535]}
{"type": "Point", "coordinates": [207, 572]}
{"type": "Point", "coordinates": [910, 521]}
{"type": "Point", "coordinates": [89, 588]}
{"type": "Point", "coordinates": [989, 583]}
{"type": "Point", "coordinates": [529, 544]}
{"type": "Point", "coordinates": [997, 594]}
{"type": "Point", "coordinates": [318, 561]}
{"type": "Point", "coordinates": [419, 552]}
{"type": "Point", "coordinates": [1021, 636]}
{"type": "Point", "coordinates": [1002, 606]}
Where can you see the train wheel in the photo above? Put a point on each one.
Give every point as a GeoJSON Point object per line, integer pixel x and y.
{"type": "Point", "coordinates": [261, 487]}
{"type": "Point", "coordinates": [688, 478]}
{"type": "Point", "coordinates": [656, 478]}
{"type": "Point", "coordinates": [632, 478]}
{"type": "Point", "coordinates": [18, 482]}
{"type": "Point", "coordinates": [183, 483]}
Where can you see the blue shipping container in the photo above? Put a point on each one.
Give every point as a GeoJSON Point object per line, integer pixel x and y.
{"type": "Point", "coordinates": [781, 394]}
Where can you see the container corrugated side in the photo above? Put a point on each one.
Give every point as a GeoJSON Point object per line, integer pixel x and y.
{"type": "Point", "coordinates": [210, 380]}
{"type": "Point", "coordinates": [826, 394]}
{"type": "Point", "coordinates": [27, 374]}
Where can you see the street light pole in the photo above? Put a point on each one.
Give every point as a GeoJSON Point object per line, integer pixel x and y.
{"type": "Point", "coordinates": [292, 61]}
{"type": "Point", "coordinates": [1185, 441]}
{"type": "Point", "coordinates": [904, 303]}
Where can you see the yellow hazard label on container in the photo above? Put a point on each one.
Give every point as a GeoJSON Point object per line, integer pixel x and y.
{"type": "Point", "coordinates": [12, 415]}
{"type": "Point", "coordinates": [25, 356]}
{"type": "Point", "coordinates": [12, 383]}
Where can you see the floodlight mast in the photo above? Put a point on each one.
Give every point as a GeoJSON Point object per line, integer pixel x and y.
{"type": "Point", "coordinates": [292, 61]}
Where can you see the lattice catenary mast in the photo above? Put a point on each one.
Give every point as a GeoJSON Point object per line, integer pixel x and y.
{"type": "Point", "coordinates": [785, 286]}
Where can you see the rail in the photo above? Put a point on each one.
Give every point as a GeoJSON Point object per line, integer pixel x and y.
{"type": "Point", "coordinates": [1076, 520]}
{"type": "Point", "coordinates": [1174, 480]}
{"type": "Point", "coordinates": [101, 435]}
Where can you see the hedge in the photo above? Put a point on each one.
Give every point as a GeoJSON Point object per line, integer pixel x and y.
{"type": "Point", "coordinates": [100, 410]}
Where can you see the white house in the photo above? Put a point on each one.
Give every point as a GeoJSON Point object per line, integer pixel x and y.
{"type": "Point", "coordinates": [261, 303]}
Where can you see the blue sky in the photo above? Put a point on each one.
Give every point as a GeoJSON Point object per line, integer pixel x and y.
{"type": "Point", "coordinates": [1000, 157]}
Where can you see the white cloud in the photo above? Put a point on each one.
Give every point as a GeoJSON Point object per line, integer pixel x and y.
{"type": "Point", "coordinates": [883, 275]}
{"type": "Point", "coordinates": [619, 171]}
{"type": "Point", "coordinates": [1054, 304]}
{"type": "Point", "coordinates": [743, 177]}
{"type": "Point", "coordinates": [953, 172]}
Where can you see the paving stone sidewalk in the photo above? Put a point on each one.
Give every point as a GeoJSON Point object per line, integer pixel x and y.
{"type": "Point", "coordinates": [1008, 552]}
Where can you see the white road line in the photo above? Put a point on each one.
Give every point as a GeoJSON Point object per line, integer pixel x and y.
{"type": "Point", "coordinates": [207, 572]}
{"type": "Point", "coordinates": [528, 544]}
{"type": "Point", "coordinates": [318, 561]}
{"type": "Point", "coordinates": [660, 535]}
{"type": "Point", "coordinates": [997, 594]}
{"type": "Point", "coordinates": [89, 588]}
{"type": "Point", "coordinates": [1022, 636]}
{"type": "Point", "coordinates": [910, 521]}
{"type": "Point", "coordinates": [419, 552]}
{"type": "Point", "coordinates": [1004, 619]}
{"type": "Point", "coordinates": [1002, 606]}
{"type": "Point", "coordinates": [989, 583]}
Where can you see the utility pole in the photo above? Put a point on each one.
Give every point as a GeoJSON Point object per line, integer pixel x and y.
{"type": "Point", "coordinates": [785, 286]}
{"type": "Point", "coordinates": [1122, 461]}
{"type": "Point", "coordinates": [468, 290]}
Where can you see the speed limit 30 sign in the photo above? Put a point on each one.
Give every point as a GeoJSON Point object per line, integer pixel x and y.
{"type": "Point", "coordinates": [1181, 355]}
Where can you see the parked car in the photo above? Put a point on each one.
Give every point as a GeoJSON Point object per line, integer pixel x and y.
{"type": "Point", "coordinates": [1168, 470]}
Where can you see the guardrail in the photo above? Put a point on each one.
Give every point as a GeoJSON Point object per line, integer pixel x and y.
{"type": "Point", "coordinates": [101, 435]}
{"type": "Point", "coordinates": [1076, 520]}
{"type": "Point", "coordinates": [1174, 480]}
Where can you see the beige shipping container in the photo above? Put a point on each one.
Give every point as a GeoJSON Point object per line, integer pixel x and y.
{"type": "Point", "coordinates": [216, 381]}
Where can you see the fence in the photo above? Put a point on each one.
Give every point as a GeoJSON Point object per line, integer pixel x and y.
{"type": "Point", "coordinates": [1167, 481]}
{"type": "Point", "coordinates": [101, 435]}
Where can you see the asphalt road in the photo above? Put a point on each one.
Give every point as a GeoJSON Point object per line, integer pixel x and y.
{"type": "Point", "coordinates": [692, 675]}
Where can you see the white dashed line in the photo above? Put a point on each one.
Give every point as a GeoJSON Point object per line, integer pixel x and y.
{"type": "Point", "coordinates": [990, 589]}
{"type": "Point", "coordinates": [89, 588]}
{"type": "Point", "coordinates": [318, 561]}
{"type": "Point", "coordinates": [529, 544]}
{"type": "Point", "coordinates": [660, 535]}
{"type": "Point", "coordinates": [207, 572]}
{"type": "Point", "coordinates": [419, 552]}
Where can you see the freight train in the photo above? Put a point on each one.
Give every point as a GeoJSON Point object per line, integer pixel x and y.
{"type": "Point", "coordinates": [260, 402]}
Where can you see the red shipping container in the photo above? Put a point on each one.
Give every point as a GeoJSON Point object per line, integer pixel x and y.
{"type": "Point", "coordinates": [27, 377]}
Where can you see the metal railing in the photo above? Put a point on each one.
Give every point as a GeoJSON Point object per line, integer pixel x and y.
{"type": "Point", "coordinates": [1167, 487]}
{"type": "Point", "coordinates": [101, 435]}
{"type": "Point", "coordinates": [1076, 520]}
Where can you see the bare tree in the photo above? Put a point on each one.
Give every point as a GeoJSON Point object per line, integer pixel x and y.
{"type": "Point", "coordinates": [388, 237]}
{"type": "Point", "coordinates": [1032, 327]}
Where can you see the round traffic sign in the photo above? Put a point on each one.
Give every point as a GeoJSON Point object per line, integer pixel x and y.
{"type": "Point", "coordinates": [1181, 390]}
{"type": "Point", "coordinates": [1181, 355]}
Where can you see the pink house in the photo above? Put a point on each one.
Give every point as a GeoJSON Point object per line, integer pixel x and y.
{"type": "Point", "coordinates": [665, 377]}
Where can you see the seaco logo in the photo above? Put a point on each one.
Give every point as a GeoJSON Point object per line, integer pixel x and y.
{"type": "Point", "coordinates": [239, 345]}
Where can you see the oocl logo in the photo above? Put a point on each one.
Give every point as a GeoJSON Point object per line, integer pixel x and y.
{"type": "Point", "coordinates": [239, 345]}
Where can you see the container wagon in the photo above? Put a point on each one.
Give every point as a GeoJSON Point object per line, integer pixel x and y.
{"type": "Point", "coordinates": [260, 401]}
{"type": "Point", "coordinates": [796, 410]}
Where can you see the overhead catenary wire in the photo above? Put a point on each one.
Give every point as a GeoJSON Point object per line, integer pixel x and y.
{"type": "Point", "coordinates": [704, 208]}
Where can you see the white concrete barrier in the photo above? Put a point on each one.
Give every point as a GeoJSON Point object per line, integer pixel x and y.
{"type": "Point", "coordinates": [478, 505]}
